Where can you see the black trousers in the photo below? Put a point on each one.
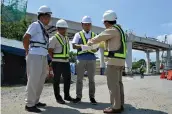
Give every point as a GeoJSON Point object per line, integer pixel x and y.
{"type": "Point", "coordinates": [61, 69]}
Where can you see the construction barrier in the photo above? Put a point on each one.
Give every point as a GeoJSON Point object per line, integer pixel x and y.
{"type": "Point", "coordinates": [163, 75]}
{"type": "Point", "coordinates": [169, 76]}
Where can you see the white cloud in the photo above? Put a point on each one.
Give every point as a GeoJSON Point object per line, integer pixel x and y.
{"type": "Point", "coordinates": [162, 38]}
{"type": "Point", "coordinates": [167, 24]}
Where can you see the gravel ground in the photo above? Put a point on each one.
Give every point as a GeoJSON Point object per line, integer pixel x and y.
{"type": "Point", "coordinates": [150, 95]}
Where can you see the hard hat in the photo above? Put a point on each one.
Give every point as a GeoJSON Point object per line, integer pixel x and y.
{"type": "Point", "coordinates": [44, 9]}
{"type": "Point", "coordinates": [109, 15]}
{"type": "Point", "coordinates": [61, 23]}
{"type": "Point", "coordinates": [86, 19]}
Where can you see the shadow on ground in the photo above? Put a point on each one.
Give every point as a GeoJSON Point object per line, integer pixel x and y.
{"type": "Point", "coordinates": [59, 110]}
{"type": "Point", "coordinates": [85, 105]}
{"type": "Point", "coordinates": [129, 109]}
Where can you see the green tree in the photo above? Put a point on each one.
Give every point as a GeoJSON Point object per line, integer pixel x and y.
{"type": "Point", "coordinates": [138, 64]}
{"type": "Point", "coordinates": [14, 30]}
{"type": "Point", "coordinates": [152, 64]}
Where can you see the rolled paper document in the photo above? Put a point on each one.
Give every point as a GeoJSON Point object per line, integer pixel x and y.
{"type": "Point", "coordinates": [86, 47]}
{"type": "Point", "coordinates": [95, 46]}
{"type": "Point", "coordinates": [102, 44]}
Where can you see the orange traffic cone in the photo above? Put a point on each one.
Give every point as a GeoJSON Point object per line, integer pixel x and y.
{"type": "Point", "coordinates": [169, 76]}
{"type": "Point", "coordinates": [163, 75]}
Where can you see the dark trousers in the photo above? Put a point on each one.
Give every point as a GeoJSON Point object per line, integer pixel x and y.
{"type": "Point", "coordinates": [61, 69]}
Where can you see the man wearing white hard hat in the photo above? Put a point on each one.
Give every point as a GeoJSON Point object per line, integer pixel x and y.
{"type": "Point", "coordinates": [59, 51]}
{"type": "Point", "coordinates": [86, 60]}
{"type": "Point", "coordinates": [115, 52]}
{"type": "Point", "coordinates": [35, 42]}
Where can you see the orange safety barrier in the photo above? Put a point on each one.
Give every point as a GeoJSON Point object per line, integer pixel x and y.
{"type": "Point", "coordinates": [169, 76]}
{"type": "Point", "coordinates": [163, 75]}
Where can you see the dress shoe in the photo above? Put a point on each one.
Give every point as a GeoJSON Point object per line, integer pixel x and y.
{"type": "Point", "coordinates": [93, 101]}
{"type": "Point", "coordinates": [77, 100]}
{"type": "Point", "coordinates": [68, 98]}
{"type": "Point", "coordinates": [41, 104]}
{"type": "Point", "coordinates": [32, 109]}
{"type": "Point", "coordinates": [60, 101]}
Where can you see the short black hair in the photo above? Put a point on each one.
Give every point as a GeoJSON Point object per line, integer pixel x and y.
{"type": "Point", "coordinates": [111, 22]}
{"type": "Point", "coordinates": [43, 14]}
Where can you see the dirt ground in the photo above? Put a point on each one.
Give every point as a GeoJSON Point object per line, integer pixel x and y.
{"type": "Point", "coordinates": [150, 95]}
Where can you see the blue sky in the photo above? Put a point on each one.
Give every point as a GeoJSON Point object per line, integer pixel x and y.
{"type": "Point", "coordinates": [151, 17]}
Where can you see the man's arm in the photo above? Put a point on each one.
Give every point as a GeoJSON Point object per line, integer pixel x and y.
{"type": "Point", "coordinates": [103, 36]}
{"type": "Point", "coordinates": [76, 46]}
{"type": "Point", "coordinates": [52, 44]}
{"type": "Point", "coordinates": [26, 42]}
{"type": "Point", "coordinates": [50, 51]}
{"type": "Point", "coordinates": [32, 30]}
{"type": "Point", "coordinates": [75, 41]}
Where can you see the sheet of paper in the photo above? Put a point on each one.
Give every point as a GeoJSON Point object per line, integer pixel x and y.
{"type": "Point", "coordinates": [95, 46]}
{"type": "Point", "coordinates": [86, 47]}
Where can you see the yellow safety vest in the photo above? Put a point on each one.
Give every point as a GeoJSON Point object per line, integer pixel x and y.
{"type": "Point", "coordinates": [84, 42]}
{"type": "Point", "coordinates": [121, 52]}
{"type": "Point", "coordinates": [65, 48]}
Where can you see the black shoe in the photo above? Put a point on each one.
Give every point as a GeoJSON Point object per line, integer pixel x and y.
{"type": "Point", "coordinates": [68, 98]}
{"type": "Point", "coordinates": [32, 109]}
{"type": "Point", "coordinates": [77, 100]}
{"type": "Point", "coordinates": [93, 101]}
{"type": "Point", "coordinates": [41, 104]}
{"type": "Point", "coordinates": [60, 101]}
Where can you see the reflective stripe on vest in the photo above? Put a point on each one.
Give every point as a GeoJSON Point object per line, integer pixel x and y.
{"type": "Point", "coordinates": [121, 53]}
{"type": "Point", "coordinates": [65, 48]}
{"type": "Point", "coordinates": [84, 41]}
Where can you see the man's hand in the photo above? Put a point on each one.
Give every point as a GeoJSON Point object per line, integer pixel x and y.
{"type": "Point", "coordinates": [26, 42]}
{"type": "Point", "coordinates": [89, 43]}
{"type": "Point", "coordinates": [94, 50]}
{"type": "Point", "coordinates": [50, 72]}
{"type": "Point", "coordinates": [27, 52]}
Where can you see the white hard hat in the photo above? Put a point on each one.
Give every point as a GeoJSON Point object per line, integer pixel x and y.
{"type": "Point", "coordinates": [86, 19]}
{"type": "Point", "coordinates": [109, 15]}
{"type": "Point", "coordinates": [61, 23]}
{"type": "Point", "coordinates": [44, 9]}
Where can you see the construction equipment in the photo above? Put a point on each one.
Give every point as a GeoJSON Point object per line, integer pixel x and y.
{"type": "Point", "coordinates": [166, 62]}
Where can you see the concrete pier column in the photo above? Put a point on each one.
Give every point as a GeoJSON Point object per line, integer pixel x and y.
{"type": "Point", "coordinates": [102, 62]}
{"type": "Point", "coordinates": [147, 62]}
{"type": "Point", "coordinates": [128, 62]}
{"type": "Point", "coordinates": [168, 65]}
{"type": "Point", "coordinates": [157, 62]}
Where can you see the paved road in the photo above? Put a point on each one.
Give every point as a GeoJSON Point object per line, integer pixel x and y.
{"type": "Point", "coordinates": [150, 95]}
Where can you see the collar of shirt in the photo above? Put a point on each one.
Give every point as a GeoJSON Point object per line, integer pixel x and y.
{"type": "Point", "coordinates": [61, 35]}
{"type": "Point", "coordinates": [86, 32]}
{"type": "Point", "coordinates": [42, 23]}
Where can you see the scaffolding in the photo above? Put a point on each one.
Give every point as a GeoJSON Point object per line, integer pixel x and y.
{"type": "Point", "coordinates": [166, 60]}
{"type": "Point", "coordinates": [13, 10]}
